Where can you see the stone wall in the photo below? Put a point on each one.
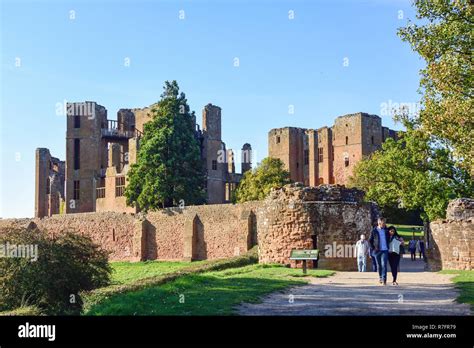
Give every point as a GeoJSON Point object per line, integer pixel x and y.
{"type": "Point", "coordinates": [115, 232]}
{"type": "Point", "coordinates": [326, 217]}
{"type": "Point", "coordinates": [192, 233]}
{"type": "Point", "coordinates": [451, 241]}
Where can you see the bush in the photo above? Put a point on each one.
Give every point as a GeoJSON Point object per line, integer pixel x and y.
{"type": "Point", "coordinates": [65, 265]}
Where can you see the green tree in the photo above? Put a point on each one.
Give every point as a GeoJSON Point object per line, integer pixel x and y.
{"type": "Point", "coordinates": [414, 172]}
{"type": "Point", "coordinates": [445, 41]}
{"type": "Point", "coordinates": [169, 169]}
{"type": "Point", "coordinates": [257, 183]}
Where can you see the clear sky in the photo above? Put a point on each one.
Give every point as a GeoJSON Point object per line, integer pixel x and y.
{"type": "Point", "coordinates": [333, 57]}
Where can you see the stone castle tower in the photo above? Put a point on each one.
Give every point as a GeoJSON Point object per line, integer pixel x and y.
{"type": "Point", "coordinates": [327, 155]}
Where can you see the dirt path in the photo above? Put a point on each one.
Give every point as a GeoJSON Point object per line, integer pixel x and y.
{"type": "Point", "coordinates": [354, 293]}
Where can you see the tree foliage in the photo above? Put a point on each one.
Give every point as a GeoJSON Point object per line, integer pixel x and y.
{"type": "Point", "coordinates": [413, 172]}
{"type": "Point", "coordinates": [257, 183]}
{"type": "Point", "coordinates": [445, 40]}
{"type": "Point", "coordinates": [66, 265]}
{"type": "Point", "coordinates": [169, 169]}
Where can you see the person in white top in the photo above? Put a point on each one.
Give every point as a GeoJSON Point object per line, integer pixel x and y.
{"type": "Point", "coordinates": [362, 250]}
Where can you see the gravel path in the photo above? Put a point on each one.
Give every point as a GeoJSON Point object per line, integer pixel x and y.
{"type": "Point", "coordinates": [354, 293]}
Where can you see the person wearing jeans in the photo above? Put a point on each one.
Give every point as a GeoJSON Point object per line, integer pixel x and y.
{"type": "Point", "coordinates": [379, 241]}
{"type": "Point", "coordinates": [362, 249]}
{"type": "Point", "coordinates": [374, 261]}
{"type": "Point", "coordinates": [394, 252]}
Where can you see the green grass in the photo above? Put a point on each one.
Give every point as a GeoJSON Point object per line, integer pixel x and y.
{"type": "Point", "coordinates": [129, 272]}
{"type": "Point", "coordinates": [464, 281]}
{"type": "Point", "coordinates": [208, 293]}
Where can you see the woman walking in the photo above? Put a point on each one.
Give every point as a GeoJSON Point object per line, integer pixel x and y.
{"type": "Point", "coordinates": [395, 242]}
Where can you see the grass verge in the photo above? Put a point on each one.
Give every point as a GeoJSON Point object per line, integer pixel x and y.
{"type": "Point", "coordinates": [216, 292]}
{"type": "Point", "coordinates": [464, 281]}
{"type": "Point", "coordinates": [100, 295]}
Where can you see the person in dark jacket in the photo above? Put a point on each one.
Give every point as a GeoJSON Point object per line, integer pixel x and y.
{"type": "Point", "coordinates": [395, 243]}
{"type": "Point", "coordinates": [379, 241]}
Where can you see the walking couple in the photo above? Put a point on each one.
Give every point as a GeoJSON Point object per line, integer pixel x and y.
{"type": "Point", "coordinates": [385, 245]}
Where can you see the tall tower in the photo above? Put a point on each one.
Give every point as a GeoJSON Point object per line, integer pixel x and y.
{"type": "Point", "coordinates": [86, 154]}
{"type": "Point", "coordinates": [214, 154]}
{"type": "Point", "coordinates": [246, 158]}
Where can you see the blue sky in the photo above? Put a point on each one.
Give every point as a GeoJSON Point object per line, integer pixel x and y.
{"type": "Point", "coordinates": [283, 62]}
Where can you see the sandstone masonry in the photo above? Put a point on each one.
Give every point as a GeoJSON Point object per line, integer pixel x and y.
{"type": "Point", "coordinates": [99, 152]}
{"type": "Point", "coordinates": [451, 241]}
{"type": "Point", "coordinates": [326, 217]}
{"type": "Point", "coordinates": [327, 155]}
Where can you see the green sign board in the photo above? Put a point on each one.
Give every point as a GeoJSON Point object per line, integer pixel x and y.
{"type": "Point", "coordinates": [304, 254]}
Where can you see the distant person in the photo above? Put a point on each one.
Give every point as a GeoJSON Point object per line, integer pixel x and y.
{"type": "Point", "coordinates": [379, 240]}
{"type": "Point", "coordinates": [418, 248]}
{"type": "Point", "coordinates": [395, 241]}
{"type": "Point", "coordinates": [412, 248]}
{"type": "Point", "coordinates": [362, 249]}
{"type": "Point", "coordinates": [421, 243]}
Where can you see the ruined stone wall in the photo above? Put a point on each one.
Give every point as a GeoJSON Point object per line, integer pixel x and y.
{"type": "Point", "coordinates": [326, 217]}
{"type": "Point", "coordinates": [49, 183]}
{"type": "Point", "coordinates": [216, 231]}
{"type": "Point", "coordinates": [114, 232]}
{"type": "Point", "coordinates": [192, 233]}
{"type": "Point", "coordinates": [451, 241]}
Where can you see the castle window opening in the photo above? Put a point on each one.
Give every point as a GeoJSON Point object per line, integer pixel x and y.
{"type": "Point", "coordinates": [372, 139]}
{"type": "Point", "coordinates": [214, 165]}
{"type": "Point", "coordinates": [77, 189]}
{"type": "Point", "coordinates": [306, 157]}
{"type": "Point", "coordinates": [77, 121]}
{"type": "Point", "coordinates": [77, 153]}
{"type": "Point", "coordinates": [119, 186]}
{"type": "Point", "coordinates": [346, 162]}
{"type": "Point", "coordinates": [320, 155]}
{"type": "Point", "coordinates": [278, 140]}
{"type": "Point", "coordinates": [347, 140]}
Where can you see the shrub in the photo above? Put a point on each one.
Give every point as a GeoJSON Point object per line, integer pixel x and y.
{"type": "Point", "coordinates": [65, 265]}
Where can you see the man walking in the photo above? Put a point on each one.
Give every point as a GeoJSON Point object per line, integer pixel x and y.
{"type": "Point", "coordinates": [379, 240]}
{"type": "Point", "coordinates": [362, 249]}
{"type": "Point", "coordinates": [412, 248]}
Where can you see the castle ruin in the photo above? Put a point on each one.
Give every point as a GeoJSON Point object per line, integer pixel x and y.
{"type": "Point", "coordinates": [100, 151]}
{"type": "Point", "coordinates": [327, 155]}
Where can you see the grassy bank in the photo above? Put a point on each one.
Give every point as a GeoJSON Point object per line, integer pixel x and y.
{"type": "Point", "coordinates": [130, 272]}
{"type": "Point", "coordinates": [129, 278]}
{"type": "Point", "coordinates": [464, 281]}
{"type": "Point", "coordinates": [208, 293]}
